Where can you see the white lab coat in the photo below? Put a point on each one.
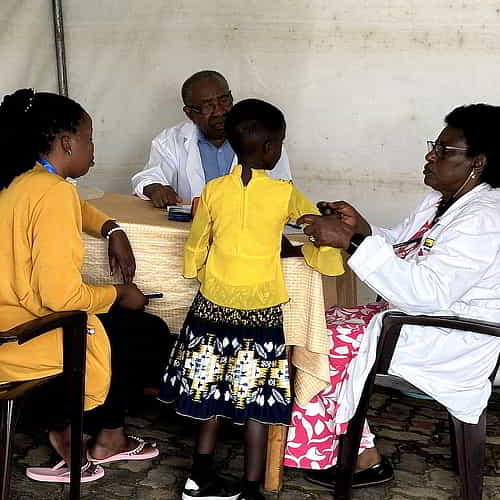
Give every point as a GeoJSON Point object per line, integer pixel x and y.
{"type": "Point", "coordinates": [175, 161]}
{"type": "Point", "coordinates": [457, 273]}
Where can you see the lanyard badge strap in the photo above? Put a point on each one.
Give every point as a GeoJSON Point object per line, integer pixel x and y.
{"type": "Point", "coordinates": [47, 165]}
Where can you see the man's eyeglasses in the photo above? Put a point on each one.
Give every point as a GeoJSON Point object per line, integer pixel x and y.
{"type": "Point", "coordinates": [207, 108]}
{"type": "Point", "coordinates": [441, 149]}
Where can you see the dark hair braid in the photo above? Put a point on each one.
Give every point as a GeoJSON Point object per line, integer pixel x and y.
{"type": "Point", "coordinates": [29, 123]}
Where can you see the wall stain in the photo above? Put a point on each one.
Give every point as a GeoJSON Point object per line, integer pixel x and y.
{"type": "Point", "coordinates": [400, 34]}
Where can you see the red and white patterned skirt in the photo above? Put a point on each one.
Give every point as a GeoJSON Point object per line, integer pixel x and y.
{"type": "Point", "coordinates": [313, 437]}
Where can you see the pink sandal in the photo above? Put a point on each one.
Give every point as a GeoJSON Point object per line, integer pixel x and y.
{"type": "Point", "coordinates": [60, 473]}
{"type": "Point", "coordinates": [137, 453]}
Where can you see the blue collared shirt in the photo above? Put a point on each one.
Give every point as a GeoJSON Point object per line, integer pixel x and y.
{"type": "Point", "coordinates": [216, 162]}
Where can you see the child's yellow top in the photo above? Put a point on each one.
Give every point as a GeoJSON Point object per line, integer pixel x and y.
{"type": "Point", "coordinates": [235, 240]}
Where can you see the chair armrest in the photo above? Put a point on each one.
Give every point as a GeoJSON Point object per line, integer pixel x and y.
{"type": "Point", "coordinates": [394, 320]}
{"type": "Point", "coordinates": [27, 331]}
{"type": "Point", "coordinates": [453, 322]}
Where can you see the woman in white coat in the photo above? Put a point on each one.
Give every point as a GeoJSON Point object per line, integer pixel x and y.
{"type": "Point", "coordinates": [443, 259]}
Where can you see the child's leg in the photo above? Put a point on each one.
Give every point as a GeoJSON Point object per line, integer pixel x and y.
{"type": "Point", "coordinates": [255, 454]}
{"type": "Point", "coordinates": [205, 448]}
{"type": "Point", "coordinates": [203, 483]}
{"type": "Point", "coordinates": [207, 436]}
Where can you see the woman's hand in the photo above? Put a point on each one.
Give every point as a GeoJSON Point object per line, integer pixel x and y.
{"type": "Point", "coordinates": [130, 297]}
{"type": "Point", "coordinates": [327, 230]}
{"type": "Point", "coordinates": [120, 252]}
{"type": "Point", "coordinates": [347, 214]}
{"type": "Point", "coordinates": [121, 255]}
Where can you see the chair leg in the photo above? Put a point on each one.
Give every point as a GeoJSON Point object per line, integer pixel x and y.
{"type": "Point", "coordinates": [75, 345]}
{"type": "Point", "coordinates": [8, 419]}
{"type": "Point", "coordinates": [349, 445]}
{"type": "Point", "coordinates": [453, 444]}
{"type": "Point", "coordinates": [470, 442]}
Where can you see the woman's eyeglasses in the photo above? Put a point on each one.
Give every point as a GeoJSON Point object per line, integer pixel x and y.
{"type": "Point", "coordinates": [441, 149]}
{"type": "Point", "coordinates": [207, 108]}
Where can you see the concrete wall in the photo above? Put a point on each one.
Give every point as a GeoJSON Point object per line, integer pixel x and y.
{"type": "Point", "coordinates": [363, 83]}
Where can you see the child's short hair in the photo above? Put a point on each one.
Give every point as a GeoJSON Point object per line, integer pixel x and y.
{"type": "Point", "coordinates": [251, 121]}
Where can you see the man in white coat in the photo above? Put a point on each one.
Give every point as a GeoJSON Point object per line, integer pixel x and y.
{"type": "Point", "coordinates": [186, 156]}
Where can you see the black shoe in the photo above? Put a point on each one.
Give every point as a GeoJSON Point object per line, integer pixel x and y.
{"type": "Point", "coordinates": [376, 474]}
{"type": "Point", "coordinates": [252, 495]}
{"type": "Point", "coordinates": [213, 489]}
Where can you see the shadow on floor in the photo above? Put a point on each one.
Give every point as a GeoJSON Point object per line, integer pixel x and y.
{"type": "Point", "coordinates": [412, 433]}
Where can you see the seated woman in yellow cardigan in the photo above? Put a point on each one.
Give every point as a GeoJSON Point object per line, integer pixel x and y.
{"type": "Point", "coordinates": [45, 138]}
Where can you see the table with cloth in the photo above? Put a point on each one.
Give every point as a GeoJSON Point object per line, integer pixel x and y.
{"type": "Point", "coordinates": [158, 245]}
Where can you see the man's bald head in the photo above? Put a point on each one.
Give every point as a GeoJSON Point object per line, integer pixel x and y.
{"type": "Point", "coordinates": [194, 80]}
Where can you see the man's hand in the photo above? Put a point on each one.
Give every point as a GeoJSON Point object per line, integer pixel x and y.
{"type": "Point", "coordinates": [161, 195]}
{"type": "Point", "coordinates": [130, 297]}
{"type": "Point", "coordinates": [326, 230]}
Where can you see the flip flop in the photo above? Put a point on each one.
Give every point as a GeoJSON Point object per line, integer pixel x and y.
{"type": "Point", "coordinates": [137, 453]}
{"type": "Point", "coordinates": [60, 473]}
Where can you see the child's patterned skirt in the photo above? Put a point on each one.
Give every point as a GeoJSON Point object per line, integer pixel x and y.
{"type": "Point", "coordinates": [231, 363]}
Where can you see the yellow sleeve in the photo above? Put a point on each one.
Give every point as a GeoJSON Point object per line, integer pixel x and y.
{"type": "Point", "coordinates": [92, 219]}
{"type": "Point", "coordinates": [57, 253]}
{"type": "Point", "coordinates": [198, 242]}
{"type": "Point", "coordinates": [326, 260]}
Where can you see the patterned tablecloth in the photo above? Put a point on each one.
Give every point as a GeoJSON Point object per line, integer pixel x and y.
{"type": "Point", "coordinates": [158, 246]}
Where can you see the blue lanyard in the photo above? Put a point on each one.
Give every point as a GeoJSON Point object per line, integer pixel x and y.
{"type": "Point", "coordinates": [47, 165]}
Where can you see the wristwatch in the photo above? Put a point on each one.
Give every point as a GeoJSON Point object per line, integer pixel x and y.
{"type": "Point", "coordinates": [356, 240]}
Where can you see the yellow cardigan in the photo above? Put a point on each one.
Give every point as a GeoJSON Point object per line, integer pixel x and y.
{"type": "Point", "coordinates": [235, 240]}
{"type": "Point", "coordinates": [41, 256]}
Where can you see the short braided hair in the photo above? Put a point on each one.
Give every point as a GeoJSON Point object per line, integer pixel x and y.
{"type": "Point", "coordinates": [480, 124]}
{"type": "Point", "coordinates": [252, 118]}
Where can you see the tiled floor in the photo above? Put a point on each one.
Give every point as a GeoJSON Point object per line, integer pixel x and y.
{"type": "Point", "coordinates": [413, 433]}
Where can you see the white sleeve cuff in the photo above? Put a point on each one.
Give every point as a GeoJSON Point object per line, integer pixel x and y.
{"type": "Point", "coordinates": [369, 256]}
{"type": "Point", "coordinates": [138, 190]}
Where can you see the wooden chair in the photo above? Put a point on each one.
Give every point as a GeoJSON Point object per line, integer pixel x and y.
{"type": "Point", "coordinates": [467, 440]}
{"type": "Point", "coordinates": [74, 324]}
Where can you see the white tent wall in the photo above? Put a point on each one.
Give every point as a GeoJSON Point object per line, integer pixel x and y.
{"type": "Point", "coordinates": [363, 84]}
{"type": "Point", "coordinates": [27, 54]}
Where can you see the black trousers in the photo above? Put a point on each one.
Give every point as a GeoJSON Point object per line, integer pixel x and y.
{"type": "Point", "coordinates": [139, 353]}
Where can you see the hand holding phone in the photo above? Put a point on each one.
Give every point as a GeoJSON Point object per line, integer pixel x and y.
{"type": "Point", "coordinates": [323, 208]}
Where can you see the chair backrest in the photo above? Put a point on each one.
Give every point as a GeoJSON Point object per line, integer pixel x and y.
{"type": "Point", "coordinates": [74, 325]}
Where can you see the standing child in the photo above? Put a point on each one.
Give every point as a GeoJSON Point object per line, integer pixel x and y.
{"type": "Point", "coordinates": [230, 359]}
